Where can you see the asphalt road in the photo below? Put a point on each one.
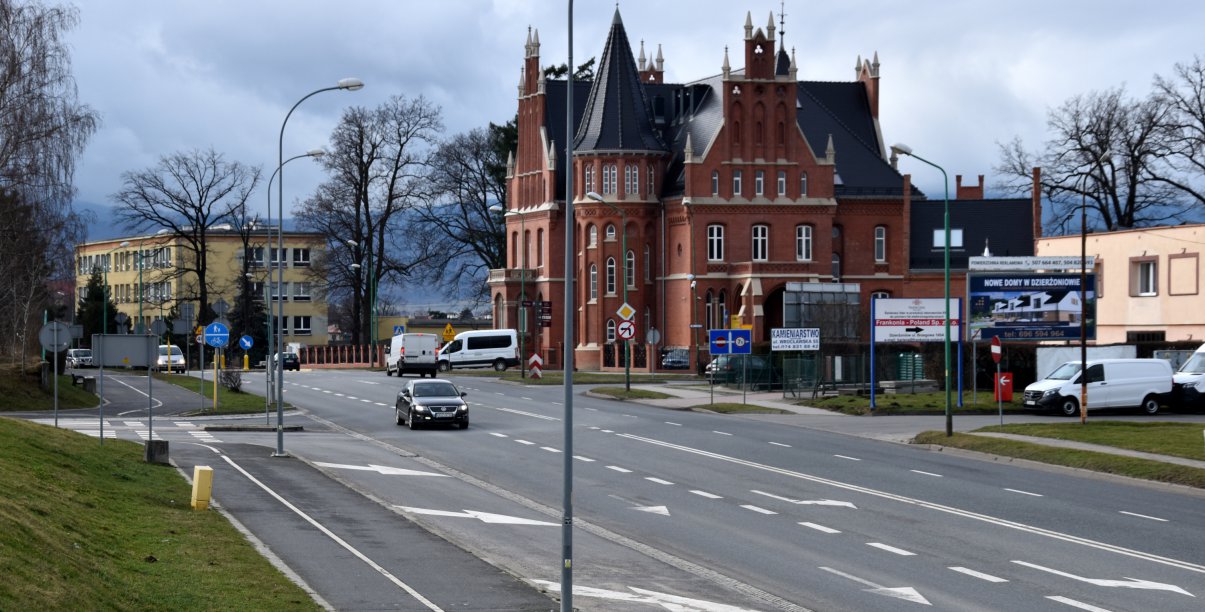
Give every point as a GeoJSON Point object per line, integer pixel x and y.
{"type": "Point", "coordinates": [704, 511]}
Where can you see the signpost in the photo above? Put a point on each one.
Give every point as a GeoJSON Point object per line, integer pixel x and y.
{"type": "Point", "coordinates": [534, 364]}
{"type": "Point", "coordinates": [999, 383]}
{"type": "Point", "coordinates": [627, 331]}
{"type": "Point", "coordinates": [914, 320]}
{"type": "Point", "coordinates": [55, 337]}
{"type": "Point", "coordinates": [217, 335]}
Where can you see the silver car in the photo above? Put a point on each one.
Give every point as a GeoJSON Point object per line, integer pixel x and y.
{"type": "Point", "coordinates": [79, 358]}
{"type": "Point", "coordinates": [431, 402]}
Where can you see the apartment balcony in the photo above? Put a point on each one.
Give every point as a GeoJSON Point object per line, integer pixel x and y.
{"type": "Point", "coordinates": [510, 275]}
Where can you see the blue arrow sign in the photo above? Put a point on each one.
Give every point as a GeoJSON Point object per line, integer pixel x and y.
{"type": "Point", "coordinates": [217, 335]}
{"type": "Point", "coordinates": [246, 342]}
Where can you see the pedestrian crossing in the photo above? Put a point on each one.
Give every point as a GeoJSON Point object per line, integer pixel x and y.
{"type": "Point", "coordinates": [172, 429]}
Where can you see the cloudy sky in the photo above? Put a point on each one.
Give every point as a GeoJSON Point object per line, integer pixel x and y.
{"type": "Point", "coordinates": [958, 77]}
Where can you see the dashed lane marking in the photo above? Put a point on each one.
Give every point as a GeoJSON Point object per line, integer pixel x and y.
{"type": "Point", "coordinates": [498, 435]}
{"type": "Point", "coordinates": [781, 444]}
{"type": "Point", "coordinates": [550, 449]}
{"type": "Point", "coordinates": [524, 442]}
{"type": "Point", "coordinates": [673, 423]}
{"type": "Point", "coordinates": [657, 480]}
{"type": "Point", "coordinates": [821, 528]}
{"type": "Point", "coordinates": [927, 473]}
{"type": "Point", "coordinates": [757, 509]}
{"type": "Point", "coordinates": [581, 458]}
{"type": "Point", "coordinates": [979, 575]}
{"type": "Point", "coordinates": [1076, 604]}
{"type": "Point", "coordinates": [1025, 492]}
{"type": "Point", "coordinates": [1153, 518]}
{"type": "Point", "coordinates": [619, 469]}
{"type": "Point", "coordinates": [847, 457]}
{"type": "Point", "coordinates": [891, 549]}
{"type": "Point", "coordinates": [706, 494]}
{"type": "Point", "coordinates": [722, 433]}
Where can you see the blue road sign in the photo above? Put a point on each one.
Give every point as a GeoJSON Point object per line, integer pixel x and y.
{"type": "Point", "coordinates": [731, 341]}
{"type": "Point", "coordinates": [217, 335]}
{"type": "Point", "coordinates": [399, 329]}
{"type": "Point", "coordinates": [246, 342]}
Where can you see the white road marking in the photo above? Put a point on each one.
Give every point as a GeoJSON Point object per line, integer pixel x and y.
{"type": "Point", "coordinates": [527, 398]}
{"type": "Point", "coordinates": [979, 575]}
{"type": "Point", "coordinates": [1025, 492]}
{"type": "Point", "coordinates": [722, 433]}
{"type": "Point", "coordinates": [1076, 604]}
{"type": "Point", "coordinates": [550, 449]}
{"type": "Point", "coordinates": [673, 423]}
{"type": "Point", "coordinates": [368, 382]}
{"type": "Point", "coordinates": [380, 404]}
{"type": "Point", "coordinates": [662, 510]}
{"type": "Point", "coordinates": [581, 458]}
{"type": "Point", "coordinates": [1128, 583]}
{"type": "Point", "coordinates": [594, 427]}
{"type": "Point", "coordinates": [556, 403]}
{"type": "Point", "coordinates": [757, 509]}
{"type": "Point", "coordinates": [530, 414]}
{"type": "Point", "coordinates": [498, 435]}
{"type": "Point", "coordinates": [340, 395]}
{"type": "Point", "coordinates": [845, 457]}
{"type": "Point", "coordinates": [986, 518]}
{"type": "Point", "coordinates": [353, 398]}
{"type": "Point", "coordinates": [657, 480]}
{"type": "Point", "coordinates": [324, 390]}
{"type": "Point", "coordinates": [820, 527]}
{"type": "Point", "coordinates": [927, 473]}
{"type": "Point", "coordinates": [655, 599]}
{"type": "Point", "coordinates": [607, 431]}
{"type": "Point", "coordinates": [413, 593]}
{"type": "Point", "coordinates": [619, 469]}
{"type": "Point", "coordinates": [1153, 518]}
{"type": "Point", "coordinates": [380, 469]}
{"type": "Point", "coordinates": [499, 393]}
{"type": "Point", "coordinates": [806, 502]}
{"type": "Point", "coordinates": [706, 494]}
{"type": "Point", "coordinates": [366, 401]}
{"type": "Point", "coordinates": [592, 409]}
{"type": "Point", "coordinates": [484, 517]}
{"type": "Point", "coordinates": [781, 444]}
{"type": "Point", "coordinates": [524, 442]}
{"type": "Point", "coordinates": [891, 549]}
{"type": "Point", "coordinates": [905, 593]}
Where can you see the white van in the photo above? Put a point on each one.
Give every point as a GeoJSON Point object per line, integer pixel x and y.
{"type": "Point", "coordinates": [1112, 383]}
{"type": "Point", "coordinates": [411, 353]}
{"type": "Point", "coordinates": [496, 348]}
{"type": "Point", "coordinates": [1190, 381]}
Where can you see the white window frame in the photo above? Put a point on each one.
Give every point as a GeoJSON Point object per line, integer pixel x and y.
{"type": "Point", "coordinates": [301, 257]}
{"type": "Point", "coordinates": [610, 330]}
{"type": "Point", "coordinates": [880, 243]}
{"type": "Point", "coordinates": [761, 243]}
{"type": "Point", "coordinates": [803, 242]}
{"type": "Point", "coordinates": [782, 183]}
{"type": "Point", "coordinates": [939, 238]}
{"type": "Point", "coordinates": [737, 177]}
{"type": "Point", "coordinates": [715, 183]}
{"type": "Point", "coordinates": [589, 172]}
{"type": "Point", "coordinates": [610, 233]}
{"type": "Point", "coordinates": [1146, 281]}
{"type": "Point", "coordinates": [630, 269]}
{"type": "Point", "coordinates": [301, 291]}
{"type": "Point", "coordinates": [715, 242]}
{"type": "Point", "coordinates": [610, 271]}
{"type": "Point", "coordinates": [803, 184]}
{"type": "Point", "coordinates": [593, 282]}
{"type": "Point", "coordinates": [759, 183]}
{"type": "Point", "coordinates": [592, 236]}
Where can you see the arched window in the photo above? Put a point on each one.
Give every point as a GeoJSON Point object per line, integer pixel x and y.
{"type": "Point", "coordinates": [606, 179]}
{"type": "Point", "coordinates": [803, 243]}
{"type": "Point", "coordinates": [652, 183]}
{"type": "Point", "coordinates": [721, 312]}
{"type": "Point", "coordinates": [782, 183]}
{"type": "Point", "coordinates": [499, 311]}
{"type": "Point", "coordinates": [540, 247]}
{"type": "Point", "coordinates": [630, 269]}
{"type": "Point", "coordinates": [610, 276]}
{"type": "Point", "coordinates": [635, 190]}
{"type": "Point", "coordinates": [593, 282]}
{"type": "Point", "coordinates": [880, 295]}
{"type": "Point", "coordinates": [836, 267]}
{"type": "Point", "coordinates": [610, 330]}
{"type": "Point", "coordinates": [803, 185]}
{"type": "Point", "coordinates": [589, 178]}
{"type": "Point", "coordinates": [759, 183]}
{"type": "Point", "coordinates": [592, 232]}
{"type": "Point", "coordinates": [612, 185]}
{"type": "Point", "coordinates": [610, 232]}
{"type": "Point", "coordinates": [880, 243]}
{"type": "Point", "coordinates": [737, 175]}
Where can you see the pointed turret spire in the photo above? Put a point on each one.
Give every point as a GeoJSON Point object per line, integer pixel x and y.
{"type": "Point", "coordinates": [640, 61]}
{"type": "Point", "coordinates": [770, 28]}
{"type": "Point", "coordinates": [858, 66]}
{"type": "Point", "coordinates": [527, 45]}
{"type": "Point", "coordinates": [688, 153]}
{"type": "Point", "coordinates": [522, 82]}
{"type": "Point", "coordinates": [874, 66]}
{"type": "Point", "coordinates": [794, 66]}
{"type": "Point", "coordinates": [726, 68]}
{"type": "Point", "coordinates": [552, 155]}
{"type": "Point", "coordinates": [510, 164]}
{"type": "Point", "coordinates": [660, 59]}
{"type": "Point", "coordinates": [616, 116]}
{"type": "Point", "coordinates": [748, 25]}
{"type": "Point", "coordinates": [830, 153]}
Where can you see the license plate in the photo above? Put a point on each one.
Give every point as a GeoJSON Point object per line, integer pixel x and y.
{"type": "Point", "coordinates": [1029, 402]}
{"type": "Point", "coordinates": [443, 415]}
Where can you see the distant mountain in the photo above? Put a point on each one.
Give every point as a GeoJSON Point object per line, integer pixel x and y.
{"type": "Point", "coordinates": [102, 222]}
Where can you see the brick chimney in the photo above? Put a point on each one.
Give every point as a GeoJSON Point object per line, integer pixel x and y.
{"type": "Point", "coordinates": [968, 192]}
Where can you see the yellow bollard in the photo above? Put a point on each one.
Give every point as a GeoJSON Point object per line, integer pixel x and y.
{"type": "Point", "coordinates": [246, 362]}
{"type": "Point", "coordinates": [202, 486]}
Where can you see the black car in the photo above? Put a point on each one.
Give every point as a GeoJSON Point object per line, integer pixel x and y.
{"type": "Point", "coordinates": [676, 359]}
{"type": "Point", "coordinates": [431, 402]}
{"type": "Point", "coordinates": [290, 361]}
{"type": "Point", "coordinates": [731, 369]}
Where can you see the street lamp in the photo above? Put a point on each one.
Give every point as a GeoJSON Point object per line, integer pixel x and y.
{"type": "Point", "coordinates": [523, 319]}
{"type": "Point", "coordinates": [903, 149]}
{"type": "Point", "coordinates": [372, 300]}
{"type": "Point", "coordinates": [623, 256]}
{"type": "Point", "coordinates": [1083, 291]}
{"type": "Point", "coordinates": [345, 84]}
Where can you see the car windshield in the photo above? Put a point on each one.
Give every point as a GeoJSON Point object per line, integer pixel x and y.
{"type": "Point", "coordinates": [175, 350]}
{"type": "Point", "coordinates": [1195, 365]}
{"type": "Point", "coordinates": [1067, 371]}
{"type": "Point", "coordinates": [83, 353]}
{"type": "Point", "coordinates": [435, 389]}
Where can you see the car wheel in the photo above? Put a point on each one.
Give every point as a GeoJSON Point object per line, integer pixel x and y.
{"type": "Point", "coordinates": [410, 419]}
{"type": "Point", "coordinates": [1150, 405]}
{"type": "Point", "coordinates": [397, 416]}
{"type": "Point", "coordinates": [445, 366]}
{"type": "Point", "coordinates": [500, 365]}
{"type": "Point", "coordinates": [1069, 406]}
{"type": "Point", "coordinates": [388, 372]}
{"type": "Point", "coordinates": [465, 423]}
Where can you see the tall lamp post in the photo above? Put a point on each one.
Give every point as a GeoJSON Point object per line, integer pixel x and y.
{"type": "Point", "coordinates": [1083, 292]}
{"type": "Point", "coordinates": [372, 300]}
{"type": "Point", "coordinates": [104, 304]}
{"type": "Point", "coordinates": [903, 149]}
{"type": "Point", "coordinates": [623, 256]}
{"type": "Point", "coordinates": [524, 324]}
{"type": "Point", "coordinates": [344, 84]}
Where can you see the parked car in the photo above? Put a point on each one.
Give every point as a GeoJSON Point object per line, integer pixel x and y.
{"type": "Point", "coordinates": [290, 362]}
{"type": "Point", "coordinates": [676, 359]}
{"type": "Point", "coordinates": [170, 358]}
{"type": "Point", "coordinates": [1111, 383]}
{"type": "Point", "coordinates": [431, 401]}
{"type": "Point", "coordinates": [79, 358]}
{"type": "Point", "coordinates": [1189, 388]}
{"type": "Point", "coordinates": [729, 369]}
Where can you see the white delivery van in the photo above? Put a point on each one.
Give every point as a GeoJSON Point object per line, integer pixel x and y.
{"type": "Point", "coordinates": [412, 353]}
{"type": "Point", "coordinates": [1190, 381]}
{"type": "Point", "coordinates": [496, 348]}
{"type": "Point", "coordinates": [1112, 383]}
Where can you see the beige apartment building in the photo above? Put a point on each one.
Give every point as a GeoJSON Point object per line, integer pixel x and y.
{"type": "Point", "coordinates": [151, 295]}
{"type": "Point", "coordinates": [1148, 281]}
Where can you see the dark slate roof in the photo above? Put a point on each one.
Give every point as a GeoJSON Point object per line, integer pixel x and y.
{"type": "Point", "coordinates": [554, 120]}
{"type": "Point", "coordinates": [1006, 225]}
{"type": "Point", "coordinates": [782, 63]}
{"type": "Point", "coordinates": [617, 115]}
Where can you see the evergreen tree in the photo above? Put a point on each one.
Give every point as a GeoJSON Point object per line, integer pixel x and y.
{"type": "Point", "coordinates": [248, 318]}
{"type": "Point", "coordinates": [93, 308]}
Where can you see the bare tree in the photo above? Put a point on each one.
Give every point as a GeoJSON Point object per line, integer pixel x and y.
{"type": "Point", "coordinates": [1116, 154]}
{"type": "Point", "coordinates": [43, 128]}
{"type": "Point", "coordinates": [1185, 137]}
{"type": "Point", "coordinates": [378, 168]}
{"type": "Point", "coordinates": [468, 239]}
{"type": "Point", "coordinates": [188, 194]}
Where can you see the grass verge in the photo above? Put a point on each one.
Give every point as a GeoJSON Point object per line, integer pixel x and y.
{"type": "Point", "coordinates": [21, 392]}
{"type": "Point", "coordinates": [1176, 439]}
{"type": "Point", "coordinates": [734, 408]}
{"type": "Point", "coordinates": [229, 402]}
{"type": "Point", "coordinates": [914, 403]}
{"type": "Point", "coordinates": [92, 527]}
{"type": "Point", "coordinates": [622, 393]}
{"type": "Point", "coordinates": [1088, 460]}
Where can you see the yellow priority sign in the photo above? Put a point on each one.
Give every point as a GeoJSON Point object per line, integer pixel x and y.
{"type": "Point", "coordinates": [449, 333]}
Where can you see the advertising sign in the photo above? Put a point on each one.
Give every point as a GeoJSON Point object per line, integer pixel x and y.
{"type": "Point", "coordinates": [1031, 306]}
{"type": "Point", "coordinates": [915, 319]}
{"type": "Point", "coordinates": [795, 339]}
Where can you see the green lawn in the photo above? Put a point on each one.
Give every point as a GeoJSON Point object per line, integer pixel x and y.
{"type": "Point", "coordinates": [20, 392]}
{"type": "Point", "coordinates": [915, 403]}
{"type": "Point", "coordinates": [733, 408]}
{"type": "Point", "coordinates": [229, 402]}
{"type": "Point", "coordinates": [635, 393]}
{"type": "Point", "coordinates": [94, 527]}
{"type": "Point", "coordinates": [1177, 439]}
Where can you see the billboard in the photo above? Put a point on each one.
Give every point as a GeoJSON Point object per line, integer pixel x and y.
{"type": "Point", "coordinates": [915, 319]}
{"type": "Point", "coordinates": [1030, 306]}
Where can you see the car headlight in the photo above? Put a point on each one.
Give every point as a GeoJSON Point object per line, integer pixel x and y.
{"type": "Point", "coordinates": [420, 408]}
{"type": "Point", "coordinates": [1050, 392]}
{"type": "Point", "coordinates": [462, 409]}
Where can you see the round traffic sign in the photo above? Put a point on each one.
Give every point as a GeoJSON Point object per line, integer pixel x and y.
{"type": "Point", "coordinates": [627, 330]}
{"type": "Point", "coordinates": [996, 349]}
{"type": "Point", "coordinates": [720, 341]}
{"type": "Point", "coordinates": [159, 327]}
{"type": "Point", "coordinates": [654, 336]}
{"type": "Point", "coordinates": [55, 336]}
{"type": "Point", "coordinates": [217, 335]}
{"type": "Point", "coordinates": [739, 341]}
{"type": "Point", "coordinates": [245, 342]}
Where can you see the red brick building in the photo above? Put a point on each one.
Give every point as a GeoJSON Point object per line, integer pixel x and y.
{"type": "Point", "coordinates": [731, 186]}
